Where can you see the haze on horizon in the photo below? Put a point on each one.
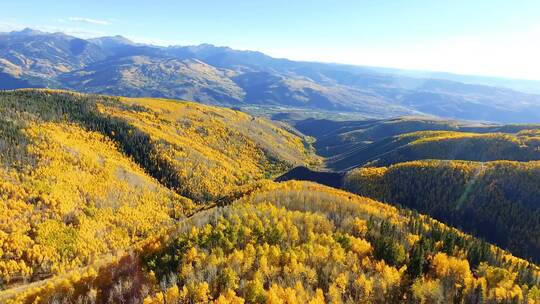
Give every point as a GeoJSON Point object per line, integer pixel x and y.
{"type": "Point", "coordinates": [491, 38]}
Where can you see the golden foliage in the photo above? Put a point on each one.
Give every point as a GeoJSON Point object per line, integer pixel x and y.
{"type": "Point", "coordinates": [295, 242]}
{"type": "Point", "coordinates": [82, 195]}
{"type": "Point", "coordinates": [213, 149]}
{"type": "Point", "coordinates": [502, 195]}
{"type": "Point", "coordinates": [80, 198]}
{"type": "Point", "coordinates": [77, 180]}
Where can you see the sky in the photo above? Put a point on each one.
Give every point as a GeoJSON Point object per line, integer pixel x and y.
{"type": "Point", "coordinates": [479, 37]}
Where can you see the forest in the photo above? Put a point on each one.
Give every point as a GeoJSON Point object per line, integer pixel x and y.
{"type": "Point", "coordinates": [445, 145]}
{"type": "Point", "coordinates": [87, 175]}
{"type": "Point", "coordinates": [299, 242]}
{"type": "Point", "coordinates": [137, 200]}
{"type": "Point", "coordinates": [498, 201]}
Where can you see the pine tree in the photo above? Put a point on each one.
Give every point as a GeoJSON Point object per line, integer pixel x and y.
{"type": "Point", "coordinates": [417, 261]}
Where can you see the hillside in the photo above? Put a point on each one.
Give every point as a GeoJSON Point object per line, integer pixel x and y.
{"type": "Point", "coordinates": [421, 164]}
{"type": "Point", "coordinates": [299, 242]}
{"type": "Point", "coordinates": [84, 175]}
{"type": "Point", "coordinates": [333, 137]}
{"type": "Point", "coordinates": [224, 76]}
{"type": "Point", "coordinates": [336, 137]}
{"type": "Point", "coordinates": [497, 201]}
{"type": "Point", "coordinates": [140, 76]}
{"type": "Point", "coordinates": [144, 200]}
{"type": "Point", "coordinates": [444, 145]}
{"type": "Point", "coordinates": [350, 144]}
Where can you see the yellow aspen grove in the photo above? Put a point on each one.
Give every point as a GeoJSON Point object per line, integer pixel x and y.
{"type": "Point", "coordinates": [120, 200]}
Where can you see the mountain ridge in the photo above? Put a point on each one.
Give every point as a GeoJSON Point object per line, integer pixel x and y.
{"type": "Point", "coordinates": [102, 65]}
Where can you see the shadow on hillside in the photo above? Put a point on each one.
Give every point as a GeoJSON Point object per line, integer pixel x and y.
{"type": "Point", "coordinates": [331, 179]}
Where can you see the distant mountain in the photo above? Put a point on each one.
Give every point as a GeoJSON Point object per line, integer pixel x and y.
{"type": "Point", "coordinates": [111, 42]}
{"type": "Point", "coordinates": [224, 76]}
{"type": "Point", "coordinates": [527, 86]}
{"type": "Point", "coordinates": [158, 77]}
{"type": "Point", "coordinates": [35, 55]}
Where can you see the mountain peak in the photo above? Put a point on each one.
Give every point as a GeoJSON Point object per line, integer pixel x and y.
{"type": "Point", "coordinates": [112, 41]}
{"type": "Point", "coordinates": [27, 32]}
{"type": "Point", "coordinates": [207, 47]}
{"type": "Point", "coordinates": [119, 38]}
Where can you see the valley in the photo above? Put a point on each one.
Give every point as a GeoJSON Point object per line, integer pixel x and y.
{"type": "Point", "coordinates": [477, 177]}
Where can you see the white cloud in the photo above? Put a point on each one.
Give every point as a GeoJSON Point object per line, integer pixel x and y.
{"type": "Point", "coordinates": [89, 21]}
{"type": "Point", "coordinates": [10, 26]}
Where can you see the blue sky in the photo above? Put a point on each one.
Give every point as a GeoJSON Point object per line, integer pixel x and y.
{"type": "Point", "coordinates": [500, 38]}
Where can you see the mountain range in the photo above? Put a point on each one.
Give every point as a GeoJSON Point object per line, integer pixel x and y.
{"type": "Point", "coordinates": [224, 76]}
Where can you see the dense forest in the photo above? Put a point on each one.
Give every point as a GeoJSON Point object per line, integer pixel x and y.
{"type": "Point", "coordinates": [499, 201]}
{"type": "Point", "coordinates": [448, 145]}
{"type": "Point", "coordinates": [119, 200]}
{"type": "Point", "coordinates": [425, 170]}
{"type": "Point", "coordinates": [299, 242]}
{"type": "Point", "coordinates": [84, 175]}
{"type": "Point", "coordinates": [350, 144]}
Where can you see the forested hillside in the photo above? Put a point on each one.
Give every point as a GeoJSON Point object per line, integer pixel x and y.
{"type": "Point", "coordinates": [425, 164]}
{"type": "Point", "coordinates": [83, 175]}
{"type": "Point", "coordinates": [446, 145]}
{"type": "Point", "coordinates": [334, 138]}
{"type": "Point", "coordinates": [122, 200]}
{"type": "Point", "coordinates": [498, 201]}
{"type": "Point", "coordinates": [299, 242]}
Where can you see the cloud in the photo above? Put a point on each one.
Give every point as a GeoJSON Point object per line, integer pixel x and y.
{"type": "Point", "coordinates": [10, 26]}
{"type": "Point", "coordinates": [89, 21]}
